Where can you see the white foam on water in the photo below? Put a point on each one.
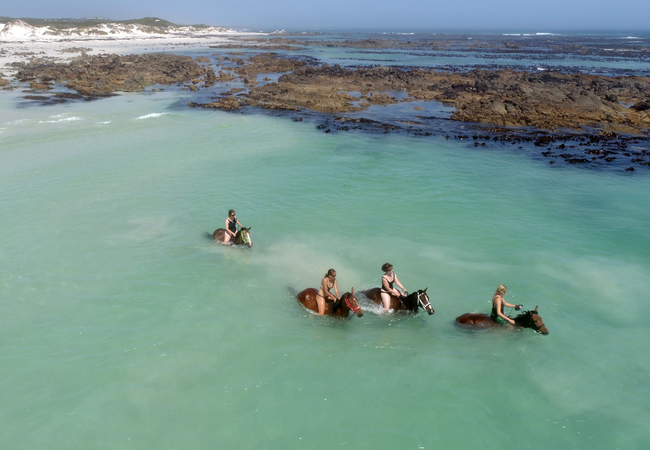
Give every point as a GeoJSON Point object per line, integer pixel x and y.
{"type": "Point", "coordinates": [17, 122]}
{"type": "Point", "coordinates": [60, 119]}
{"type": "Point", "coordinates": [150, 116]}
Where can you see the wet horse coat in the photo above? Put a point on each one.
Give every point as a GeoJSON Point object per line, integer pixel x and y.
{"type": "Point", "coordinates": [341, 308]}
{"type": "Point", "coordinates": [409, 303]}
{"type": "Point", "coordinates": [527, 319]}
{"type": "Point", "coordinates": [242, 237]}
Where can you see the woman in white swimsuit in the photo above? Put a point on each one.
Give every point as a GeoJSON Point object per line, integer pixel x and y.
{"type": "Point", "coordinates": [387, 280]}
{"type": "Point", "coordinates": [328, 282]}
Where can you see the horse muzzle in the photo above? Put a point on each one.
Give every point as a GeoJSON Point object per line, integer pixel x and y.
{"type": "Point", "coordinates": [430, 311]}
{"type": "Point", "coordinates": [359, 313]}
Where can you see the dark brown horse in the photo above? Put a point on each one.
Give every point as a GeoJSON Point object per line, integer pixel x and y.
{"type": "Point", "coordinates": [413, 301]}
{"type": "Point", "coordinates": [527, 319]}
{"type": "Point", "coordinates": [341, 308]}
{"type": "Point", "coordinates": [242, 237]}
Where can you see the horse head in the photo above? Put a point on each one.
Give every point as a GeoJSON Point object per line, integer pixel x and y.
{"type": "Point", "coordinates": [531, 319]}
{"type": "Point", "coordinates": [352, 302]}
{"type": "Point", "coordinates": [417, 299]}
{"type": "Point", "coordinates": [245, 234]}
{"type": "Point", "coordinates": [423, 301]}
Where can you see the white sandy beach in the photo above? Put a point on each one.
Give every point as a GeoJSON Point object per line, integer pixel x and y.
{"type": "Point", "coordinates": [22, 42]}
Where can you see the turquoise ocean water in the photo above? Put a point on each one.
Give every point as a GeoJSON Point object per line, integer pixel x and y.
{"type": "Point", "coordinates": [122, 326]}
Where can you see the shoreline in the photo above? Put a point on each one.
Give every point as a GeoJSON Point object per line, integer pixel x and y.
{"type": "Point", "coordinates": [59, 49]}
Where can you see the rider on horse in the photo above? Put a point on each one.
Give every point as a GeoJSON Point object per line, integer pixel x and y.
{"type": "Point", "coordinates": [387, 280]}
{"type": "Point", "coordinates": [498, 303]}
{"type": "Point", "coordinates": [231, 226]}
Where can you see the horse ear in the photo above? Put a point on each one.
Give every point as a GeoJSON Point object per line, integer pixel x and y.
{"type": "Point", "coordinates": [535, 308]}
{"type": "Point", "coordinates": [352, 291]}
{"type": "Point", "coordinates": [425, 290]}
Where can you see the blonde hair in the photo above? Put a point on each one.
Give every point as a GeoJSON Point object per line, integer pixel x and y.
{"type": "Point", "coordinates": [501, 289]}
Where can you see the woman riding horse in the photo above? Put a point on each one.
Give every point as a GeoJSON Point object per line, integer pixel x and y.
{"type": "Point", "coordinates": [527, 319]}
{"type": "Point", "coordinates": [339, 308]}
{"type": "Point", "coordinates": [413, 301]}
{"type": "Point", "coordinates": [242, 237]}
{"type": "Point", "coordinates": [388, 279]}
{"type": "Point", "coordinates": [231, 226]}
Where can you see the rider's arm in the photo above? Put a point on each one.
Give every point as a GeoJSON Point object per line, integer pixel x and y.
{"type": "Point", "coordinates": [500, 301]}
{"type": "Point", "coordinates": [336, 290]}
{"type": "Point", "coordinates": [400, 285]}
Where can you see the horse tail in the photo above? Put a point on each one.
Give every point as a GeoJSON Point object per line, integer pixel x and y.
{"type": "Point", "coordinates": [292, 290]}
{"type": "Point", "coordinates": [208, 235]}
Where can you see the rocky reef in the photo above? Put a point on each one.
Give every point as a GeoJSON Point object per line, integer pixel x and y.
{"type": "Point", "coordinates": [504, 97]}
{"type": "Point", "coordinates": [102, 75]}
{"type": "Point", "coordinates": [612, 112]}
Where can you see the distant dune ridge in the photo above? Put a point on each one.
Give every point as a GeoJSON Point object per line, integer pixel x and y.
{"type": "Point", "coordinates": [98, 28]}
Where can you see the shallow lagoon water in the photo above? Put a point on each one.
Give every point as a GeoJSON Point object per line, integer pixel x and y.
{"type": "Point", "coordinates": [122, 326]}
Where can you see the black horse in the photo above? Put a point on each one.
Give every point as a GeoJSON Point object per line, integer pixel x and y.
{"type": "Point", "coordinates": [413, 301]}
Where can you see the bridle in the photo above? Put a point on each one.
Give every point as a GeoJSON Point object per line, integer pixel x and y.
{"type": "Point", "coordinates": [530, 322]}
{"type": "Point", "coordinates": [422, 302]}
{"type": "Point", "coordinates": [347, 302]}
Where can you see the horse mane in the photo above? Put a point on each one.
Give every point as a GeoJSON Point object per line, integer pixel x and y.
{"type": "Point", "coordinates": [524, 318]}
{"type": "Point", "coordinates": [339, 303]}
{"type": "Point", "coordinates": [412, 301]}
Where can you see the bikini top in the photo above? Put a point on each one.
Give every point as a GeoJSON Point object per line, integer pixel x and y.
{"type": "Point", "coordinates": [330, 285]}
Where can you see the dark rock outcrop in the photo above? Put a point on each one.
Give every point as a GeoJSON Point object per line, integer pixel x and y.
{"type": "Point", "coordinates": [544, 100]}
{"type": "Point", "coordinates": [105, 74]}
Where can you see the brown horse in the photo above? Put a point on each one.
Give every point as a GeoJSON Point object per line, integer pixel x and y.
{"type": "Point", "coordinates": [242, 237]}
{"type": "Point", "coordinates": [409, 303]}
{"type": "Point", "coordinates": [341, 308]}
{"type": "Point", "coordinates": [527, 319]}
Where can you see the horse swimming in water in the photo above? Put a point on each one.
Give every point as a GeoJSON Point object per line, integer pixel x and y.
{"type": "Point", "coordinates": [413, 301]}
{"type": "Point", "coordinates": [340, 308]}
{"type": "Point", "coordinates": [527, 319]}
{"type": "Point", "coordinates": [242, 237]}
